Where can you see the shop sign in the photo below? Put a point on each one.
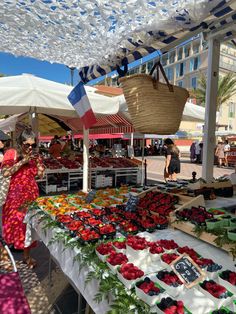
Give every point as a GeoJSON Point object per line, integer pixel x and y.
{"type": "Point", "coordinates": [90, 196]}
{"type": "Point", "coordinates": [132, 203]}
{"type": "Point", "coordinates": [187, 270]}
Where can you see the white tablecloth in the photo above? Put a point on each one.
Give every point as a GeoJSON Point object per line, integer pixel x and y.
{"type": "Point", "coordinates": [65, 258]}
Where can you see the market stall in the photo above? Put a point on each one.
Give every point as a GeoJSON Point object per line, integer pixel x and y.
{"type": "Point", "coordinates": [101, 235]}
{"type": "Point", "coordinates": [62, 174]}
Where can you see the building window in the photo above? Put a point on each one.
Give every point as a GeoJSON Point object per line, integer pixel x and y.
{"type": "Point", "coordinates": [169, 73]}
{"type": "Point", "coordinates": [186, 51]}
{"type": "Point", "coordinates": [196, 48]}
{"type": "Point", "coordinates": [164, 60]}
{"type": "Point", "coordinates": [231, 109]}
{"type": "Point", "coordinates": [180, 69]}
{"type": "Point", "coordinates": [149, 66]}
{"type": "Point", "coordinates": [194, 64]}
{"type": "Point", "coordinates": [180, 53]}
{"type": "Point", "coordinates": [180, 83]}
{"type": "Point", "coordinates": [143, 68]}
{"type": "Point", "coordinates": [172, 57]}
{"type": "Point", "coordinates": [204, 44]}
{"type": "Point", "coordinates": [194, 82]}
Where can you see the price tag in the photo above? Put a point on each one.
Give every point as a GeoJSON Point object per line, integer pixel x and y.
{"type": "Point", "coordinates": [132, 203]}
{"type": "Point", "coordinates": [187, 270]}
{"type": "Point", "coordinates": [89, 198]}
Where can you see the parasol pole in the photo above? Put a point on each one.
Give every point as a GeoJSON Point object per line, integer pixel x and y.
{"type": "Point", "coordinates": [85, 159]}
{"type": "Point", "coordinates": [142, 166]}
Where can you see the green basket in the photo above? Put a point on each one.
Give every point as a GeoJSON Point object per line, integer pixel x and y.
{"type": "Point", "coordinates": [212, 225]}
{"type": "Point", "coordinates": [232, 222]}
{"type": "Point", "coordinates": [231, 235]}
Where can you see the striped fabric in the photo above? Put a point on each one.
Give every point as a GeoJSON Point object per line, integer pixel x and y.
{"type": "Point", "coordinates": [112, 124]}
{"type": "Point", "coordinates": [224, 13]}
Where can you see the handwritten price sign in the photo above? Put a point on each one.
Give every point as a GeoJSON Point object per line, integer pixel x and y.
{"type": "Point", "coordinates": [187, 270]}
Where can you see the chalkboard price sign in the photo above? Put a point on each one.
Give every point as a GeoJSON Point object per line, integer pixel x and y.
{"type": "Point", "coordinates": [90, 196]}
{"type": "Point", "coordinates": [132, 203]}
{"type": "Point", "coordinates": [187, 270]}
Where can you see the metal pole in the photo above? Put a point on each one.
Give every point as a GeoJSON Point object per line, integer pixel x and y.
{"type": "Point", "coordinates": [85, 159]}
{"type": "Point", "coordinates": [72, 69]}
{"type": "Point", "coordinates": [210, 110]}
{"type": "Point", "coordinates": [142, 169]}
{"type": "Point", "coordinates": [145, 172]}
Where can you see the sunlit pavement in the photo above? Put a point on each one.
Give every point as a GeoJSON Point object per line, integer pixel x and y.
{"type": "Point", "coordinates": [155, 168]}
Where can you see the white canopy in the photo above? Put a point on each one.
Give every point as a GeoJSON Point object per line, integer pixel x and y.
{"type": "Point", "coordinates": [28, 93]}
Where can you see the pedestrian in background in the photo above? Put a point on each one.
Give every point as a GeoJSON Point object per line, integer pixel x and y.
{"type": "Point", "coordinates": [226, 152]}
{"type": "Point", "coordinates": [172, 164]}
{"type": "Point", "coordinates": [193, 152]}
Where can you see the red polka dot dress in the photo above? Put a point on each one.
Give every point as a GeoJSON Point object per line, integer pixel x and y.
{"type": "Point", "coordinates": [23, 190]}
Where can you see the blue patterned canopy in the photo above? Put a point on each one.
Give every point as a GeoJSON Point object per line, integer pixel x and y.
{"type": "Point", "coordinates": [96, 36]}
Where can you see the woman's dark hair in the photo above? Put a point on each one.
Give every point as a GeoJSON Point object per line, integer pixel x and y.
{"type": "Point", "coordinates": [168, 141]}
{"type": "Point", "coordinates": [26, 134]}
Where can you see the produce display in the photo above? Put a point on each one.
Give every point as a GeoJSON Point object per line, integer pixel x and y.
{"type": "Point", "coordinates": [158, 202]}
{"type": "Point", "coordinates": [104, 215]}
{"type": "Point", "coordinates": [133, 274]}
{"type": "Point", "coordinates": [141, 262]}
{"type": "Point", "coordinates": [213, 221]}
{"type": "Point", "coordinates": [108, 162]}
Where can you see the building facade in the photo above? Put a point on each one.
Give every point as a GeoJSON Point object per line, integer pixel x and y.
{"type": "Point", "coordinates": [183, 66]}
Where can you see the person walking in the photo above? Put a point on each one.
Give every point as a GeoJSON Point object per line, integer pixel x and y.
{"type": "Point", "coordinates": [193, 152]}
{"type": "Point", "coordinates": [220, 153]}
{"type": "Point", "coordinates": [22, 166]}
{"type": "Point", "coordinates": [3, 139]}
{"type": "Point", "coordinates": [198, 152]}
{"type": "Point", "coordinates": [226, 152]}
{"type": "Point", "coordinates": [172, 162]}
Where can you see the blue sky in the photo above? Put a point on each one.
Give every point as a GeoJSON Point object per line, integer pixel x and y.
{"type": "Point", "coordinates": [11, 65]}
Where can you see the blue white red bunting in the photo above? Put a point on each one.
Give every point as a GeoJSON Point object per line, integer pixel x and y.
{"type": "Point", "coordinates": [222, 14]}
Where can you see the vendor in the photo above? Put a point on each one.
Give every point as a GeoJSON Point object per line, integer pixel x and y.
{"type": "Point", "coordinates": [3, 139]}
{"type": "Point", "coordinates": [20, 166]}
{"type": "Point", "coordinates": [55, 149]}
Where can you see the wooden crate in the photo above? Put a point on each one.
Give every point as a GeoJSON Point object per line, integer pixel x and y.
{"type": "Point", "coordinates": [214, 185]}
{"type": "Point", "coordinates": [188, 228]}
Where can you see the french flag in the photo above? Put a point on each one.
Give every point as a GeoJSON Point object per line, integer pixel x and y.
{"type": "Point", "coordinates": [79, 100]}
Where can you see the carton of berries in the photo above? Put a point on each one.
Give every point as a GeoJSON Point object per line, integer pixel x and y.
{"type": "Point", "coordinates": [216, 292]}
{"type": "Point", "coordinates": [223, 310]}
{"type": "Point", "coordinates": [115, 260]}
{"type": "Point", "coordinates": [137, 247]}
{"type": "Point", "coordinates": [120, 245]}
{"type": "Point", "coordinates": [170, 306]}
{"type": "Point", "coordinates": [129, 274]}
{"type": "Point", "coordinates": [170, 246]}
{"type": "Point", "coordinates": [169, 281]}
{"type": "Point", "coordinates": [168, 258]}
{"type": "Point", "coordinates": [209, 266]}
{"type": "Point", "coordinates": [149, 291]}
{"type": "Point", "coordinates": [106, 230]}
{"type": "Point", "coordinates": [155, 251]}
{"type": "Point", "coordinates": [103, 250]}
{"type": "Point", "coordinates": [87, 235]}
{"type": "Point", "coordinates": [227, 278]}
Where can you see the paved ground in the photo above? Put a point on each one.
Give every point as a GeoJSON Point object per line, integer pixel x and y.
{"type": "Point", "coordinates": [155, 168]}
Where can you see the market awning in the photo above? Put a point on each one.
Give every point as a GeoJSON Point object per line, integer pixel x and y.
{"type": "Point", "coordinates": [98, 36]}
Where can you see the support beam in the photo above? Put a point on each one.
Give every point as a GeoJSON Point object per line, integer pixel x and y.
{"type": "Point", "coordinates": [142, 166]}
{"type": "Point", "coordinates": [85, 159]}
{"type": "Point", "coordinates": [210, 110]}
{"type": "Point", "coordinates": [33, 120]}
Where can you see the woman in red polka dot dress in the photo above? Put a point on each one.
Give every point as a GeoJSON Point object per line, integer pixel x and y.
{"type": "Point", "coordinates": [23, 166]}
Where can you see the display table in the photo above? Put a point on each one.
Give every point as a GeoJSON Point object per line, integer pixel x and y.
{"type": "Point", "coordinates": [65, 257]}
{"type": "Point", "coordinates": [132, 174]}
